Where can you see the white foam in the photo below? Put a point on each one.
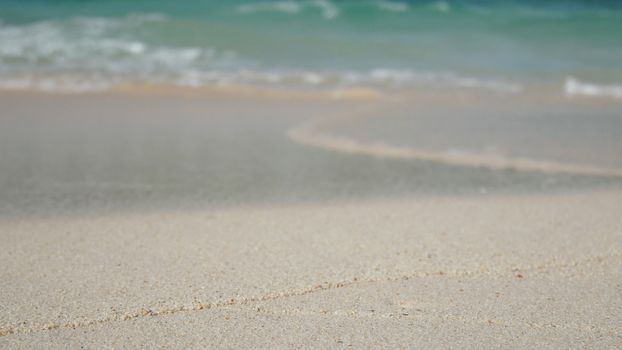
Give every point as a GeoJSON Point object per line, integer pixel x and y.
{"type": "Point", "coordinates": [329, 10]}
{"type": "Point", "coordinates": [182, 72]}
{"type": "Point", "coordinates": [72, 43]}
{"type": "Point", "coordinates": [407, 78]}
{"type": "Point", "coordinates": [574, 87]}
{"type": "Point", "coordinates": [73, 85]}
{"type": "Point", "coordinates": [313, 78]}
{"type": "Point", "coordinates": [290, 7]}
{"type": "Point", "coordinates": [77, 53]}
{"type": "Point", "coordinates": [442, 6]}
{"type": "Point", "coordinates": [90, 51]}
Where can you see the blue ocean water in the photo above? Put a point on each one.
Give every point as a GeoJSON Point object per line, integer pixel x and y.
{"type": "Point", "coordinates": [504, 46]}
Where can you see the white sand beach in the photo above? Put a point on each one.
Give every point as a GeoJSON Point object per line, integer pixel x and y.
{"type": "Point", "coordinates": [310, 174]}
{"type": "Point", "coordinates": [509, 271]}
{"type": "Point", "coordinates": [127, 221]}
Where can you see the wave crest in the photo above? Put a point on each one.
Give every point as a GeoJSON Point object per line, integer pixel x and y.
{"type": "Point", "coordinates": [290, 7]}
{"type": "Point", "coordinates": [90, 53]}
{"type": "Point", "coordinates": [327, 8]}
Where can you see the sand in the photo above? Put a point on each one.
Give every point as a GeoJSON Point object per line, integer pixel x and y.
{"type": "Point", "coordinates": [540, 271]}
{"type": "Point", "coordinates": [531, 260]}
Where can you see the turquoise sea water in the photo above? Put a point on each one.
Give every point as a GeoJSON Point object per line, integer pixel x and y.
{"type": "Point", "coordinates": [505, 46]}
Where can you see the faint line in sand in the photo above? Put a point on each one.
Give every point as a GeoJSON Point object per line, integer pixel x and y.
{"type": "Point", "coordinates": [198, 305]}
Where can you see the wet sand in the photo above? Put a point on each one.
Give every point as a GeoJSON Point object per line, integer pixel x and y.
{"type": "Point", "coordinates": [133, 220]}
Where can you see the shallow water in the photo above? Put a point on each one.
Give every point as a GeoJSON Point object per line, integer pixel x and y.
{"type": "Point", "coordinates": [567, 132]}
{"type": "Point", "coordinates": [100, 154]}
{"type": "Point", "coordinates": [393, 98]}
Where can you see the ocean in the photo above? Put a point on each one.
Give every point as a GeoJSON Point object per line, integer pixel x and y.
{"type": "Point", "coordinates": [320, 100]}
{"type": "Point", "coordinates": [572, 48]}
{"type": "Point", "coordinates": [310, 174]}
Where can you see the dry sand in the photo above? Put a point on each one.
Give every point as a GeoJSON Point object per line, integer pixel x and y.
{"type": "Point", "coordinates": [522, 271]}
{"type": "Point", "coordinates": [257, 242]}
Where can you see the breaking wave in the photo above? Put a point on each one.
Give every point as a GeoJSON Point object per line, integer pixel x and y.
{"type": "Point", "coordinates": [327, 9]}
{"type": "Point", "coordinates": [95, 54]}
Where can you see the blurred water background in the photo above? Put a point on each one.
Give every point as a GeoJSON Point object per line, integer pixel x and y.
{"type": "Point", "coordinates": [570, 47]}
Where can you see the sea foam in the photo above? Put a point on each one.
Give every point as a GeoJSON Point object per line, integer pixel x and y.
{"type": "Point", "coordinates": [276, 6]}
{"type": "Point", "coordinates": [86, 54]}
{"type": "Point", "coordinates": [575, 87]}
{"type": "Point", "coordinates": [327, 9]}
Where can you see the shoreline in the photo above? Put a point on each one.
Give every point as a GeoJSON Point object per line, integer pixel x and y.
{"type": "Point", "coordinates": [539, 93]}
{"type": "Point", "coordinates": [294, 174]}
{"type": "Point", "coordinates": [187, 147]}
{"type": "Point", "coordinates": [193, 221]}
